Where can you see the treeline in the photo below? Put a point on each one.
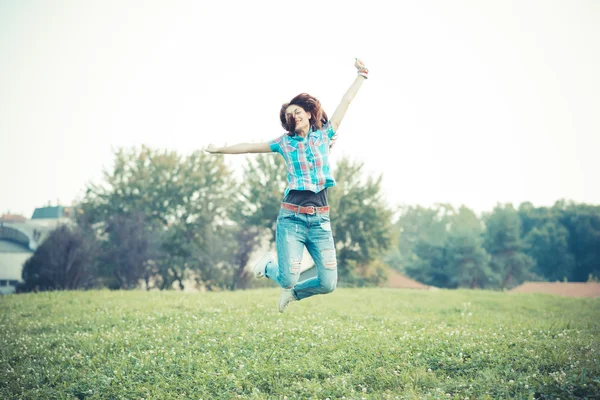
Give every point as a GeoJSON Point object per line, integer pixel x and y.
{"type": "Point", "coordinates": [450, 248]}
{"type": "Point", "coordinates": [159, 219]}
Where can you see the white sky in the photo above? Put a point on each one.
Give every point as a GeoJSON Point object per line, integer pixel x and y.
{"type": "Point", "coordinates": [468, 102]}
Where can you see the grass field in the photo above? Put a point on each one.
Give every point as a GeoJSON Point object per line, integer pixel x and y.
{"type": "Point", "coordinates": [353, 343]}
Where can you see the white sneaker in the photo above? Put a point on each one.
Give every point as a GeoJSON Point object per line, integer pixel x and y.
{"type": "Point", "coordinates": [261, 265]}
{"type": "Point", "coordinates": [286, 298]}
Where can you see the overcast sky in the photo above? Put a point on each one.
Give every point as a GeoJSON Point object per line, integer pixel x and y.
{"type": "Point", "coordinates": [468, 102]}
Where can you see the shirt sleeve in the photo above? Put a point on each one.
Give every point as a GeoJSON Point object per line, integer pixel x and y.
{"type": "Point", "coordinates": [275, 145]}
{"type": "Point", "coordinates": [328, 129]}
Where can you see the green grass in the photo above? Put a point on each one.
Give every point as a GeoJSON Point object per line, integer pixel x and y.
{"type": "Point", "coordinates": [353, 343]}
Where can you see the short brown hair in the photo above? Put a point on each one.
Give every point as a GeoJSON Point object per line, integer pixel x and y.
{"type": "Point", "coordinates": [311, 105]}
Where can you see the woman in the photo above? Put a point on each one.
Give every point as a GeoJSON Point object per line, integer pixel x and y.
{"type": "Point", "coordinates": [303, 219]}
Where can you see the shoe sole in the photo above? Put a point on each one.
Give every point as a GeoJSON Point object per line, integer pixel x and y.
{"type": "Point", "coordinates": [259, 274]}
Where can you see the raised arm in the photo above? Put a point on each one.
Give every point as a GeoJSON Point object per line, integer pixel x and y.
{"type": "Point", "coordinates": [240, 148]}
{"type": "Point", "coordinates": [341, 109]}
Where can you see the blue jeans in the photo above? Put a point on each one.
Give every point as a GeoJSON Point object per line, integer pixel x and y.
{"type": "Point", "coordinates": [293, 232]}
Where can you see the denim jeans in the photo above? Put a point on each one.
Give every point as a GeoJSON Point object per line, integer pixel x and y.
{"type": "Point", "coordinates": [293, 232]}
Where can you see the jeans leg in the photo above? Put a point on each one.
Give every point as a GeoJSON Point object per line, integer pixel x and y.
{"type": "Point", "coordinates": [321, 247]}
{"type": "Point", "coordinates": [290, 240]}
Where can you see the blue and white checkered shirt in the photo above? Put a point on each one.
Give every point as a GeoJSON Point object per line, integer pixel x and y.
{"type": "Point", "coordinates": [306, 159]}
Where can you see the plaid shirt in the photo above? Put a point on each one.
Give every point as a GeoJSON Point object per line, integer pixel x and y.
{"type": "Point", "coordinates": [306, 159]}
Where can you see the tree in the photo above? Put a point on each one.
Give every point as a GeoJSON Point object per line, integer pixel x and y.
{"type": "Point", "coordinates": [361, 224]}
{"type": "Point", "coordinates": [468, 264]}
{"type": "Point", "coordinates": [429, 264]}
{"type": "Point", "coordinates": [549, 246]}
{"type": "Point", "coordinates": [257, 205]}
{"type": "Point", "coordinates": [417, 224]}
{"type": "Point", "coordinates": [534, 217]}
{"type": "Point", "coordinates": [65, 260]}
{"type": "Point", "coordinates": [180, 197]}
{"type": "Point", "coordinates": [421, 235]}
{"type": "Point", "coordinates": [443, 247]}
{"type": "Point", "coordinates": [204, 213]}
{"type": "Point", "coordinates": [261, 190]}
{"type": "Point", "coordinates": [503, 242]}
{"type": "Point", "coordinates": [582, 221]}
{"type": "Point", "coordinates": [131, 251]}
{"type": "Point", "coordinates": [564, 239]}
{"type": "Point", "coordinates": [145, 181]}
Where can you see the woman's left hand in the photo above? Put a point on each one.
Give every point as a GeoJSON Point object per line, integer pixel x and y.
{"type": "Point", "coordinates": [360, 66]}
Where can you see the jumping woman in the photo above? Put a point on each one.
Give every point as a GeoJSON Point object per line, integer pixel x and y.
{"type": "Point", "coordinates": [303, 218]}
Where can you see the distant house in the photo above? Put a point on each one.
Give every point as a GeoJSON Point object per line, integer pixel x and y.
{"type": "Point", "coordinates": [20, 237]}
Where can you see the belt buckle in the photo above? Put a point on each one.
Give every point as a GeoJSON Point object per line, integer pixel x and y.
{"type": "Point", "coordinates": [311, 210]}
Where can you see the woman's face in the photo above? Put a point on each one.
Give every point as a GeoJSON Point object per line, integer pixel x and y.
{"type": "Point", "coordinates": [300, 117]}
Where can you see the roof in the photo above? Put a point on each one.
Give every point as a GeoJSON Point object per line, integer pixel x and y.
{"type": "Point", "coordinates": [570, 289]}
{"type": "Point", "coordinates": [12, 218]}
{"type": "Point", "coordinates": [48, 212]}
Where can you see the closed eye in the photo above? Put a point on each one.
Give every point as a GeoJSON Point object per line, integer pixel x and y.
{"type": "Point", "coordinates": [296, 112]}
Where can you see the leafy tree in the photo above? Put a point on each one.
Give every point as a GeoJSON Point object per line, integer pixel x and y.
{"type": "Point", "coordinates": [421, 235]}
{"type": "Point", "coordinates": [361, 224]}
{"type": "Point", "coordinates": [415, 225]}
{"type": "Point", "coordinates": [145, 181]}
{"type": "Point", "coordinates": [582, 221]}
{"type": "Point", "coordinates": [468, 264]}
{"type": "Point", "coordinates": [131, 251]}
{"type": "Point", "coordinates": [443, 247]}
{"type": "Point", "coordinates": [429, 264]}
{"type": "Point", "coordinates": [534, 217]}
{"type": "Point", "coordinates": [257, 205]}
{"type": "Point", "coordinates": [246, 240]}
{"type": "Point", "coordinates": [564, 239]}
{"type": "Point", "coordinates": [65, 260]}
{"type": "Point", "coordinates": [181, 197]}
{"type": "Point", "coordinates": [203, 214]}
{"type": "Point", "coordinates": [261, 190]}
{"type": "Point", "coordinates": [549, 246]}
{"type": "Point", "coordinates": [503, 242]}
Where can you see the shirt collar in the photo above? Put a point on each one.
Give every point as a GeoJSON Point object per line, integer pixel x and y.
{"type": "Point", "coordinates": [312, 132]}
